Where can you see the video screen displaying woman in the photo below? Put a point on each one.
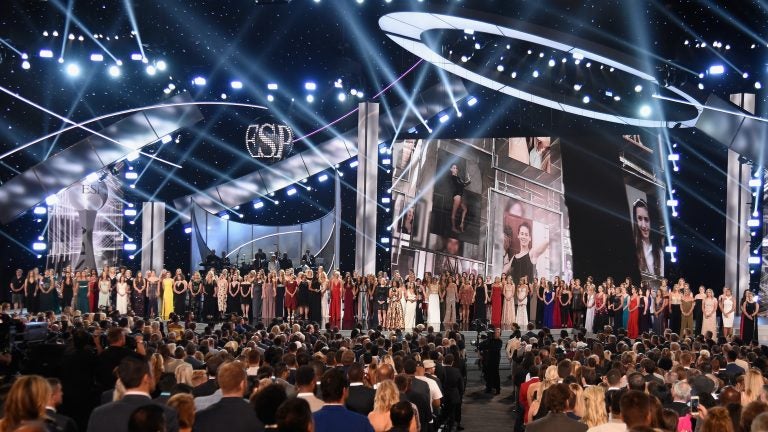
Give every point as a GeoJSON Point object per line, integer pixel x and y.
{"type": "Point", "coordinates": [648, 248]}
{"type": "Point", "coordinates": [521, 248]}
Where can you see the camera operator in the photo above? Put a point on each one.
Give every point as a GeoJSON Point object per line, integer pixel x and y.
{"type": "Point", "coordinates": [110, 357]}
{"type": "Point", "coordinates": [490, 351]}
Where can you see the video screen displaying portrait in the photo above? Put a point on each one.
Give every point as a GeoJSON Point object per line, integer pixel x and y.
{"type": "Point", "coordinates": [527, 239]}
{"type": "Point", "coordinates": [439, 189]}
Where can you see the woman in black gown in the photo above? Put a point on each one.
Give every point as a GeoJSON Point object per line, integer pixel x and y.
{"type": "Point", "coordinates": [280, 295]}
{"type": "Point", "coordinates": [481, 310]}
{"type": "Point", "coordinates": [302, 295]}
{"type": "Point", "coordinates": [618, 309]}
{"type": "Point", "coordinates": [749, 309]}
{"type": "Point", "coordinates": [315, 299]}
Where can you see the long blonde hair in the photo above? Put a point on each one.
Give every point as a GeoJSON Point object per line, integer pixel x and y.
{"type": "Point", "coordinates": [387, 395]}
{"type": "Point", "coordinates": [594, 406]}
{"type": "Point", "coordinates": [753, 386]}
{"type": "Point", "coordinates": [26, 401]}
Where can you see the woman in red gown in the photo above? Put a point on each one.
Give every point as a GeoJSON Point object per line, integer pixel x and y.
{"type": "Point", "coordinates": [633, 323]}
{"type": "Point", "coordinates": [349, 303]}
{"type": "Point", "coordinates": [496, 303]}
{"type": "Point", "coordinates": [335, 313]}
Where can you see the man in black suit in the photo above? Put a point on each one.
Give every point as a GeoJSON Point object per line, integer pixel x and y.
{"type": "Point", "coordinates": [557, 397]}
{"type": "Point", "coordinates": [63, 423]}
{"type": "Point", "coordinates": [491, 352]}
{"type": "Point", "coordinates": [360, 398]}
{"type": "Point", "coordinates": [232, 413]}
{"type": "Point", "coordinates": [113, 355]}
{"type": "Point", "coordinates": [137, 378]}
{"type": "Point", "coordinates": [403, 383]}
{"type": "Point", "coordinates": [209, 387]}
{"type": "Point", "coordinates": [732, 370]}
{"type": "Point", "coordinates": [453, 392]}
{"type": "Point", "coordinates": [190, 350]}
{"type": "Point", "coordinates": [285, 262]}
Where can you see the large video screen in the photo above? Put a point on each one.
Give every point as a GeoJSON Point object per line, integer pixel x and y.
{"type": "Point", "coordinates": [451, 195]}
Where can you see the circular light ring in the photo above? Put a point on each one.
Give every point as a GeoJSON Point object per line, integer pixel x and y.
{"type": "Point", "coordinates": [406, 29]}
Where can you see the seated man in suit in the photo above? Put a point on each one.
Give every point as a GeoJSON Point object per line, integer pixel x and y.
{"type": "Point", "coordinates": [557, 398]}
{"type": "Point", "coordinates": [63, 423]}
{"type": "Point", "coordinates": [360, 398]}
{"type": "Point", "coordinates": [137, 378]}
{"type": "Point", "coordinates": [334, 416]}
{"type": "Point", "coordinates": [232, 413]}
{"type": "Point", "coordinates": [305, 383]}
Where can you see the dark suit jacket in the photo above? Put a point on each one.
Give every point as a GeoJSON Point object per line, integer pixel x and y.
{"type": "Point", "coordinates": [360, 399]}
{"type": "Point", "coordinates": [453, 386]}
{"type": "Point", "coordinates": [733, 371]}
{"type": "Point", "coordinates": [231, 414]}
{"type": "Point", "coordinates": [556, 422]}
{"type": "Point", "coordinates": [107, 361]}
{"type": "Point", "coordinates": [421, 388]}
{"type": "Point", "coordinates": [113, 417]}
{"type": "Point", "coordinates": [334, 418]}
{"type": "Point", "coordinates": [681, 408]}
{"type": "Point", "coordinates": [63, 423]}
{"type": "Point", "coordinates": [196, 364]}
{"type": "Point", "coordinates": [423, 405]}
{"type": "Point", "coordinates": [206, 389]}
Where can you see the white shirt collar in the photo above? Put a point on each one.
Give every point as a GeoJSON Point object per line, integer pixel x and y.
{"type": "Point", "coordinates": [136, 393]}
{"type": "Point", "coordinates": [356, 384]}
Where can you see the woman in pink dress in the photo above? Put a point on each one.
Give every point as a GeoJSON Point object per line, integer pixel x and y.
{"type": "Point", "coordinates": [349, 303]}
{"type": "Point", "coordinates": [268, 293]}
{"type": "Point", "coordinates": [335, 303]}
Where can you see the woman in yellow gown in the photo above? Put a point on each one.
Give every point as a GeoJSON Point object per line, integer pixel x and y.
{"type": "Point", "coordinates": [167, 308]}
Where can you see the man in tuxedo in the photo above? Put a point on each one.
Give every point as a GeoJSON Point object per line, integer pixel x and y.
{"type": "Point", "coordinates": [209, 387]}
{"type": "Point", "coordinates": [232, 413]}
{"type": "Point", "coordinates": [137, 378]}
{"type": "Point", "coordinates": [557, 398]}
{"type": "Point", "coordinates": [334, 416]}
{"type": "Point", "coordinates": [491, 352]}
{"type": "Point", "coordinates": [63, 423]}
{"type": "Point", "coordinates": [112, 356]}
{"type": "Point", "coordinates": [453, 392]}
{"type": "Point", "coordinates": [733, 370]}
{"type": "Point", "coordinates": [360, 398]}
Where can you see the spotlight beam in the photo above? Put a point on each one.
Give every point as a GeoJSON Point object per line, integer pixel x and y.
{"type": "Point", "coordinates": [11, 47]}
{"type": "Point", "coordinates": [134, 24]}
{"type": "Point", "coordinates": [64, 119]}
{"type": "Point", "coordinates": [67, 21]}
{"type": "Point", "coordinates": [115, 114]}
{"type": "Point", "coordinates": [80, 24]}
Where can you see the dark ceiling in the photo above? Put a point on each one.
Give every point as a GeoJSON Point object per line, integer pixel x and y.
{"type": "Point", "coordinates": [290, 44]}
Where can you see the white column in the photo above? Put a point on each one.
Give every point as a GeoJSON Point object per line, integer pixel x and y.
{"type": "Point", "coordinates": [367, 182]}
{"type": "Point", "coordinates": [153, 236]}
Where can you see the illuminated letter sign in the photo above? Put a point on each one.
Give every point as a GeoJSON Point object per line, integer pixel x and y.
{"type": "Point", "coordinates": [269, 141]}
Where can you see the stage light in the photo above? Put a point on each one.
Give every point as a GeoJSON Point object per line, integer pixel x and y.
{"type": "Point", "coordinates": [199, 81]}
{"type": "Point", "coordinates": [73, 70]}
{"type": "Point", "coordinates": [25, 65]}
{"type": "Point", "coordinates": [745, 75]}
{"type": "Point", "coordinates": [701, 75]}
{"type": "Point", "coordinates": [353, 92]}
{"type": "Point", "coordinates": [500, 68]}
{"type": "Point", "coordinates": [716, 70]}
{"type": "Point", "coordinates": [236, 85]}
{"type": "Point", "coordinates": [270, 98]}
{"type": "Point", "coordinates": [535, 74]}
{"type": "Point", "coordinates": [589, 64]}
{"type": "Point", "coordinates": [551, 63]}
{"type": "Point", "coordinates": [224, 96]}
{"type": "Point", "coordinates": [360, 1]}
{"type": "Point", "coordinates": [114, 71]}
{"type": "Point", "coordinates": [166, 139]}
{"type": "Point", "coordinates": [338, 84]}
{"type": "Point", "coordinates": [758, 85]}
{"type": "Point", "coordinates": [472, 101]}
{"type": "Point", "coordinates": [638, 88]}
{"type": "Point", "coordinates": [39, 246]}
{"type": "Point", "coordinates": [322, 178]}
{"type": "Point", "coordinates": [97, 57]}
{"type": "Point", "coordinates": [386, 200]}
{"type": "Point", "coordinates": [40, 238]}
{"type": "Point", "coordinates": [755, 183]}
{"type": "Point", "coordinates": [513, 75]}
{"type": "Point", "coordinates": [271, 86]}
{"type": "Point", "coordinates": [385, 240]}
{"type": "Point", "coordinates": [753, 222]}
{"type": "Point", "coordinates": [563, 60]}
{"type": "Point", "coordinates": [225, 217]}
{"type": "Point", "coordinates": [670, 249]}
{"type": "Point", "coordinates": [129, 212]}
{"type": "Point", "coordinates": [131, 175]}
{"type": "Point", "coordinates": [672, 203]}
{"type": "Point", "coordinates": [310, 98]}
{"type": "Point", "coordinates": [342, 97]}
{"type": "Point", "coordinates": [46, 53]}
{"type": "Point", "coordinates": [444, 118]}
{"type": "Point", "coordinates": [386, 161]}
{"type": "Point", "coordinates": [541, 55]}
{"type": "Point", "coordinates": [754, 260]}
{"type": "Point", "coordinates": [311, 86]}
{"type": "Point", "coordinates": [151, 70]}
{"type": "Point", "coordinates": [40, 210]}
{"type": "Point", "coordinates": [469, 31]}
{"type": "Point", "coordinates": [477, 46]}
{"type": "Point", "coordinates": [129, 246]}
{"type": "Point", "coordinates": [161, 65]}
{"type": "Point", "coordinates": [137, 57]}
{"type": "Point", "coordinates": [645, 111]}
{"type": "Point", "coordinates": [673, 157]}
{"type": "Point", "coordinates": [617, 98]}
{"type": "Point", "coordinates": [577, 87]}
{"type": "Point", "coordinates": [71, 36]}
{"type": "Point", "coordinates": [354, 164]}
{"type": "Point", "coordinates": [291, 191]}
{"type": "Point", "coordinates": [578, 56]}
{"type": "Point", "coordinates": [530, 52]}
{"type": "Point", "coordinates": [276, 203]}
{"type": "Point", "coordinates": [258, 204]}
{"type": "Point", "coordinates": [577, 61]}
{"type": "Point", "coordinates": [585, 99]}
{"type": "Point", "coordinates": [360, 94]}
{"type": "Point", "coordinates": [701, 86]}
{"type": "Point", "coordinates": [52, 199]}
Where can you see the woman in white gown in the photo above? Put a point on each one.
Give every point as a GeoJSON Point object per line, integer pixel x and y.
{"type": "Point", "coordinates": [325, 300]}
{"type": "Point", "coordinates": [521, 302]}
{"type": "Point", "coordinates": [122, 296]}
{"type": "Point", "coordinates": [589, 303]}
{"type": "Point", "coordinates": [433, 302]}
{"type": "Point", "coordinates": [410, 307]}
{"type": "Point", "coordinates": [727, 308]}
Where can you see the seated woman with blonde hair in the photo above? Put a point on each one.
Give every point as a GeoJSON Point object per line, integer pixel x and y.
{"type": "Point", "coordinates": [25, 402]}
{"type": "Point", "coordinates": [387, 395]}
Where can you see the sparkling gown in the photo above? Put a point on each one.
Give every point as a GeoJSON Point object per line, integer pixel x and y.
{"type": "Point", "coordinates": [521, 311]}
{"type": "Point", "coordinates": [395, 318]}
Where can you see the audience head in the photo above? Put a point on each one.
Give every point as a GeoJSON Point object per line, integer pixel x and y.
{"type": "Point", "coordinates": [184, 404]}
{"type": "Point", "coordinates": [26, 401]}
{"type": "Point", "coordinates": [231, 378]}
{"type": "Point", "coordinates": [635, 409]}
{"type": "Point", "coordinates": [333, 386]}
{"type": "Point", "coordinates": [147, 418]}
{"type": "Point", "coordinates": [266, 402]}
{"type": "Point", "coordinates": [294, 415]}
{"type": "Point", "coordinates": [401, 415]}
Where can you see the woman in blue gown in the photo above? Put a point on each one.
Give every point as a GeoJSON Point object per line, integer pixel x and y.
{"type": "Point", "coordinates": [549, 308]}
{"type": "Point", "coordinates": [625, 305]}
